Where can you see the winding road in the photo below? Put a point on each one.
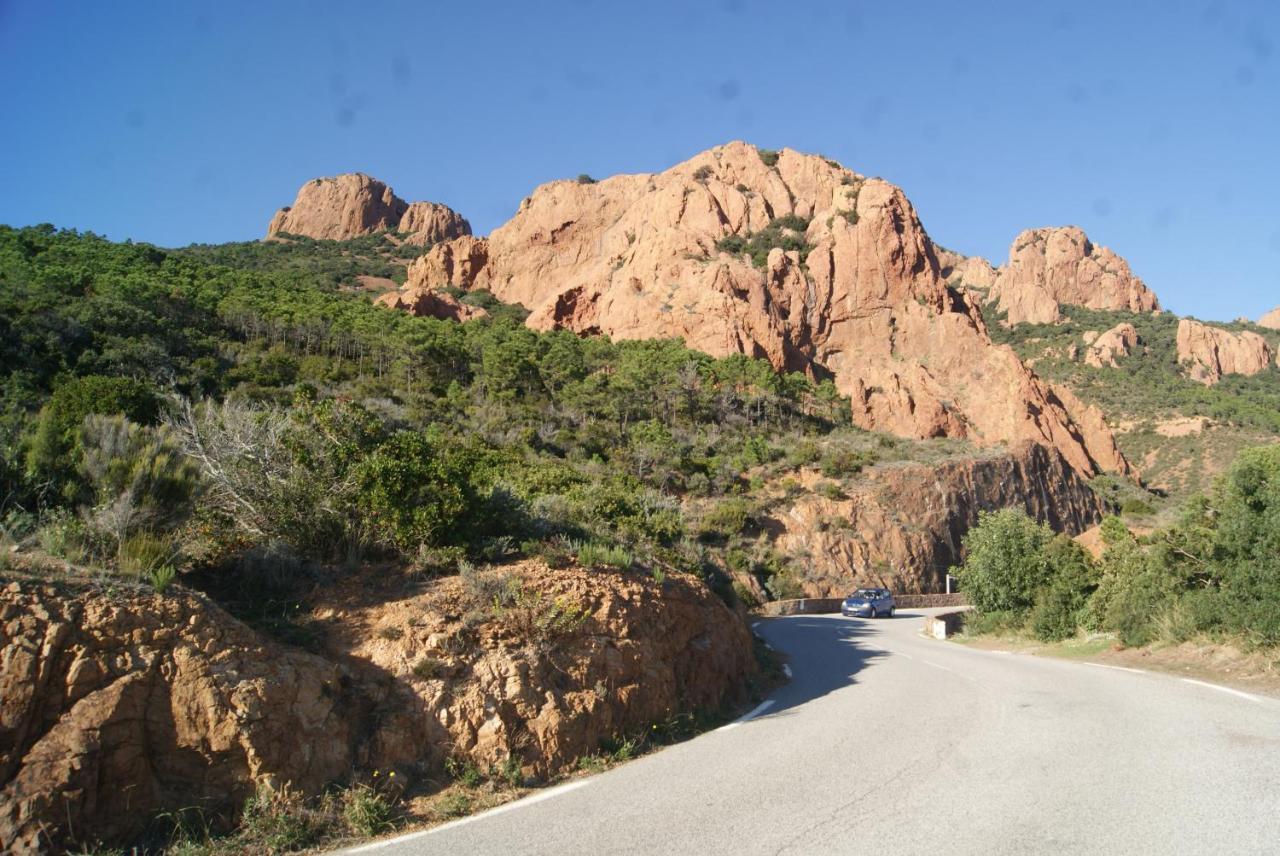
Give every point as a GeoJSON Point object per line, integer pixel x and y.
{"type": "Point", "coordinates": [888, 742]}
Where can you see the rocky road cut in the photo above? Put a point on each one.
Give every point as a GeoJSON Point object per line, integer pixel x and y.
{"type": "Point", "coordinates": [888, 742]}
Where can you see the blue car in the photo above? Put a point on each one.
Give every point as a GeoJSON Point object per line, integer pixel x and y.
{"type": "Point", "coordinates": [868, 603]}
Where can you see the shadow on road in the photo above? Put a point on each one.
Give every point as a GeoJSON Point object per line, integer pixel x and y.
{"type": "Point", "coordinates": [825, 654]}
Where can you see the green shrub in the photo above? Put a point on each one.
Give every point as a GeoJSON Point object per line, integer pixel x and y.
{"type": "Point", "coordinates": [839, 463]}
{"type": "Point", "coordinates": [1062, 606]}
{"type": "Point", "coordinates": [1005, 565]}
{"type": "Point", "coordinates": [417, 489]}
{"type": "Point", "coordinates": [583, 178]}
{"type": "Point", "coordinates": [769, 157]}
{"type": "Point", "coordinates": [831, 491]}
{"type": "Point", "coordinates": [595, 555]}
{"type": "Point", "coordinates": [367, 812]}
{"type": "Point", "coordinates": [728, 518]}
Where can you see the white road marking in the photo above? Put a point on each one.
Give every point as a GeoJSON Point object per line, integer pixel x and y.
{"type": "Point", "coordinates": [767, 645]}
{"type": "Point", "coordinates": [755, 624]}
{"type": "Point", "coordinates": [502, 809]}
{"type": "Point", "coordinates": [1115, 668]}
{"type": "Point", "coordinates": [786, 669]}
{"type": "Point", "coordinates": [756, 711]}
{"type": "Point", "coordinates": [1252, 698]}
{"type": "Point", "coordinates": [937, 666]}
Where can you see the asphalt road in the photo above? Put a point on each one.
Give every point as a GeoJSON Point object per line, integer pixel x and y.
{"type": "Point", "coordinates": [889, 742]}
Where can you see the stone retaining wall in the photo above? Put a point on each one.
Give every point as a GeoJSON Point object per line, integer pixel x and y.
{"type": "Point", "coordinates": [817, 605]}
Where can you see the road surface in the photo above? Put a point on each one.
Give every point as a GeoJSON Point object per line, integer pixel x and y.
{"type": "Point", "coordinates": [888, 742]}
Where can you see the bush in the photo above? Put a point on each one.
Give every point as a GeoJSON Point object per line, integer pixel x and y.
{"type": "Point", "coordinates": [727, 518]}
{"type": "Point", "coordinates": [1062, 606]}
{"type": "Point", "coordinates": [1005, 566]}
{"type": "Point", "coordinates": [769, 157]}
{"type": "Point", "coordinates": [594, 555]}
{"type": "Point", "coordinates": [583, 178]}
{"type": "Point", "coordinates": [415, 489]}
{"type": "Point", "coordinates": [55, 451]}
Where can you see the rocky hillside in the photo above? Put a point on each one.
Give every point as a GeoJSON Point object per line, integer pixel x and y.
{"type": "Point", "coordinates": [118, 706]}
{"type": "Point", "coordinates": [779, 255]}
{"type": "Point", "coordinates": [901, 526]}
{"type": "Point", "coordinates": [351, 205]}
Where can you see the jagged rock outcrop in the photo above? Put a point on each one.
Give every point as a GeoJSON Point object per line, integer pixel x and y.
{"type": "Point", "coordinates": [354, 204]}
{"type": "Point", "coordinates": [902, 527]}
{"type": "Point", "coordinates": [430, 303]}
{"type": "Point", "coordinates": [1271, 320]}
{"type": "Point", "coordinates": [968, 271]}
{"type": "Point", "coordinates": [1048, 268]}
{"type": "Point", "coordinates": [431, 223]}
{"type": "Point", "coordinates": [1208, 353]}
{"type": "Point", "coordinates": [1103, 349]}
{"type": "Point", "coordinates": [115, 707]}
{"type": "Point", "coordinates": [636, 256]}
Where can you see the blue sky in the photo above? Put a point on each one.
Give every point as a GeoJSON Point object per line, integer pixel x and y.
{"type": "Point", "coordinates": [1155, 126]}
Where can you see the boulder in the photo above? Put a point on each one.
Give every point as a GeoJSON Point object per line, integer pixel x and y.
{"type": "Point", "coordinates": [1103, 349]}
{"type": "Point", "coordinates": [1271, 320]}
{"type": "Point", "coordinates": [430, 303]}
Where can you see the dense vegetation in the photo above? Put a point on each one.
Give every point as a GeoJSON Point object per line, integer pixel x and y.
{"type": "Point", "coordinates": [165, 412]}
{"type": "Point", "coordinates": [1215, 572]}
{"type": "Point", "coordinates": [332, 263]}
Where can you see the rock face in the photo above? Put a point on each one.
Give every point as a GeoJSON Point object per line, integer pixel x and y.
{"type": "Point", "coordinates": [1271, 320]}
{"type": "Point", "coordinates": [354, 204]}
{"type": "Point", "coordinates": [116, 708]}
{"type": "Point", "coordinates": [1105, 348]}
{"type": "Point", "coordinates": [1211, 352]}
{"type": "Point", "coordinates": [631, 652]}
{"type": "Point", "coordinates": [430, 303]}
{"type": "Point", "coordinates": [635, 256]}
{"type": "Point", "coordinates": [1051, 267]}
{"type": "Point", "coordinates": [902, 528]}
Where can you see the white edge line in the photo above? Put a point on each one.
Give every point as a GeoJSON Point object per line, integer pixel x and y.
{"type": "Point", "coordinates": [1223, 689]}
{"type": "Point", "coordinates": [1115, 668]}
{"type": "Point", "coordinates": [786, 669]}
{"type": "Point", "coordinates": [747, 717]}
{"type": "Point", "coordinates": [462, 821]}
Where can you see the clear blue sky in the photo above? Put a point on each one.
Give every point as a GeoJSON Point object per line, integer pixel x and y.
{"type": "Point", "coordinates": [1153, 125]}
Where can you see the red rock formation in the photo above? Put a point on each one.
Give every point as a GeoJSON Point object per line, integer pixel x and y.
{"type": "Point", "coordinates": [1211, 352]}
{"type": "Point", "coordinates": [354, 204]}
{"type": "Point", "coordinates": [1271, 320]}
{"type": "Point", "coordinates": [972, 272]}
{"type": "Point", "coordinates": [902, 527]}
{"type": "Point", "coordinates": [1105, 348]}
{"type": "Point", "coordinates": [635, 256]}
{"type": "Point", "coordinates": [431, 223]}
{"type": "Point", "coordinates": [430, 303]}
{"type": "Point", "coordinates": [1051, 267]}
{"type": "Point", "coordinates": [114, 707]}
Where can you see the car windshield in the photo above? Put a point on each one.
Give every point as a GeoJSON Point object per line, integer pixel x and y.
{"type": "Point", "coordinates": [866, 594]}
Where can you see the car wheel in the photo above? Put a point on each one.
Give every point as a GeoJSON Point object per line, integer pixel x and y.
{"type": "Point", "coordinates": [873, 613]}
{"type": "Point", "coordinates": [891, 612]}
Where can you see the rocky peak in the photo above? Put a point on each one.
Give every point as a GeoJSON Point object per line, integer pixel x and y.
{"type": "Point", "coordinates": [779, 255]}
{"type": "Point", "coordinates": [1055, 266]}
{"type": "Point", "coordinates": [354, 204]}
{"type": "Point", "coordinates": [1271, 320]}
{"type": "Point", "coordinates": [1211, 352]}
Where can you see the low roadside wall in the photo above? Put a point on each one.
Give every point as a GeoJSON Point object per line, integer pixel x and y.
{"type": "Point", "coordinates": [815, 605]}
{"type": "Point", "coordinates": [944, 624]}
